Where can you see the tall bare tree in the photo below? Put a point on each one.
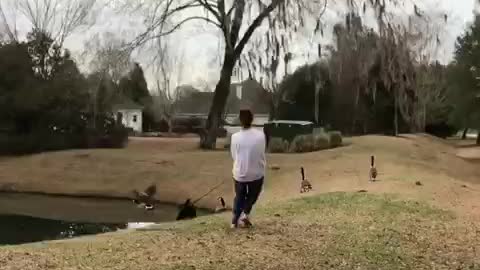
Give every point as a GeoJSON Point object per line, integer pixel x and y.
{"type": "Point", "coordinates": [169, 66]}
{"type": "Point", "coordinates": [237, 21]}
{"type": "Point", "coordinates": [106, 54]}
{"type": "Point", "coordinates": [58, 18]}
{"type": "Point", "coordinates": [426, 34]}
{"type": "Point", "coordinates": [8, 26]}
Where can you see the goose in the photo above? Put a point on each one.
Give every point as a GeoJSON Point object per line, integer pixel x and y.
{"type": "Point", "coordinates": [187, 211]}
{"type": "Point", "coordinates": [305, 185]}
{"type": "Point", "coordinates": [145, 199]}
{"type": "Point", "coordinates": [373, 169]}
{"type": "Point", "coordinates": [222, 207]}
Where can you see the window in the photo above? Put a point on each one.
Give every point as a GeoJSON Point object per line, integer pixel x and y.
{"type": "Point", "coordinates": [135, 118]}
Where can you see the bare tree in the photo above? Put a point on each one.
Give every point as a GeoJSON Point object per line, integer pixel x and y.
{"type": "Point", "coordinates": [396, 52]}
{"type": "Point", "coordinates": [108, 63]}
{"type": "Point", "coordinates": [109, 55]}
{"type": "Point", "coordinates": [237, 21]}
{"type": "Point", "coordinates": [417, 44]}
{"type": "Point", "coordinates": [166, 104]}
{"type": "Point", "coordinates": [425, 39]}
{"type": "Point", "coordinates": [168, 64]}
{"type": "Point", "coordinates": [271, 67]}
{"type": "Point", "coordinates": [59, 18]}
{"type": "Point", "coordinates": [8, 27]}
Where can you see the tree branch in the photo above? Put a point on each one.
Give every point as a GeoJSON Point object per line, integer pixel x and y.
{"type": "Point", "coordinates": [237, 23]}
{"type": "Point", "coordinates": [211, 8]}
{"type": "Point", "coordinates": [144, 36]}
{"type": "Point", "coordinates": [12, 34]}
{"type": "Point", "coordinates": [255, 24]}
{"type": "Point", "coordinates": [168, 13]}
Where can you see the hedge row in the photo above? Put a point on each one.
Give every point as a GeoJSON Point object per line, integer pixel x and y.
{"type": "Point", "coordinates": [41, 141]}
{"type": "Point", "coordinates": [306, 143]}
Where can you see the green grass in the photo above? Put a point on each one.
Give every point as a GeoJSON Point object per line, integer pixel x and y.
{"type": "Point", "coordinates": [330, 231]}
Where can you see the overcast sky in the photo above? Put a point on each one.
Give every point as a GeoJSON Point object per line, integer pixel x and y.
{"type": "Point", "coordinates": [201, 47]}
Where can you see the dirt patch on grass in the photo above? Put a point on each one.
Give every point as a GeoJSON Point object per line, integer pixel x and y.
{"type": "Point", "coordinates": [338, 230]}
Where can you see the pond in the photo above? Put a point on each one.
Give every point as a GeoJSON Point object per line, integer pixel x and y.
{"type": "Point", "coordinates": [31, 218]}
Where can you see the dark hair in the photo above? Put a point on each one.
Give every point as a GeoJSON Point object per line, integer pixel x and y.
{"type": "Point", "coordinates": [246, 118]}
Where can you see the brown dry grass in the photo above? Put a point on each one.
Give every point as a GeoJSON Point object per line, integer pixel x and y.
{"type": "Point", "coordinates": [334, 231]}
{"type": "Point", "coordinates": [343, 231]}
{"type": "Point", "coordinates": [182, 171]}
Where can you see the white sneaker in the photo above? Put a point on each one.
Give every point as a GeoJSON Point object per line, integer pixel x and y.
{"type": "Point", "coordinates": [245, 221]}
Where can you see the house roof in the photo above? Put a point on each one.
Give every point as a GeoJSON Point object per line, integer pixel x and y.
{"type": "Point", "coordinates": [303, 123]}
{"type": "Point", "coordinates": [125, 103]}
{"type": "Point", "coordinates": [253, 96]}
{"type": "Point", "coordinates": [197, 102]}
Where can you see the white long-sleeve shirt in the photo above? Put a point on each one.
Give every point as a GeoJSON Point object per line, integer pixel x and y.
{"type": "Point", "coordinates": [248, 154]}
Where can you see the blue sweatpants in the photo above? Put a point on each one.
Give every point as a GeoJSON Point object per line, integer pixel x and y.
{"type": "Point", "coordinates": [246, 195]}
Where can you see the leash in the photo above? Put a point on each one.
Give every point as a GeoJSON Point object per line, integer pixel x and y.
{"type": "Point", "coordinates": [210, 191]}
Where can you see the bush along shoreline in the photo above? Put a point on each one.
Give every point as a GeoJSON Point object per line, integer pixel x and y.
{"type": "Point", "coordinates": [73, 135]}
{"type": "Point", "coordinates": [306, 143]}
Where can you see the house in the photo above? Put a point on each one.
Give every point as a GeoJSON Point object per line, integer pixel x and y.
{"type": "Point", "coordinates": [249, 93]}
{"type": "Point", "coordinates": [195, 103]}
{"type": "Point", "coordinates": [246, 93]}
{"type": "Point", "coordinates": [130, 112]}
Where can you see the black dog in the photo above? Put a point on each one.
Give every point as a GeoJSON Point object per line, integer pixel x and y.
{"type": "Point", "coordinates": [187, 211]}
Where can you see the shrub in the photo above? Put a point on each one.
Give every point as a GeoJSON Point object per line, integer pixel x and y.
{"type": "Point", "coordinates": [36, 142]}
{"type": "Point", "coordinates": [180, 129]}
{"type": "Point", "coordinates": [228, 140]}
{"type": "Point", "coordinates": [319, 130]}
{"type": "Point", "coordinates": [321, 141]}
{"type": "Point", "coordinates": [221, 132]}
{"type": "Point", "coordinates": [277, 145]}
{"type": "Point", "coordinates": [116, 138]}
{"type": "Point", "coordinates": [335, 139]}
{"type": "Point", "coordinates": [72, 136]}
{"type": "Point", "coordinates": [302, 144]}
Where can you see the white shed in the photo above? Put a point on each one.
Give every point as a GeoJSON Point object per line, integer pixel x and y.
{"type": "Point", "coordinates": [131, 114]}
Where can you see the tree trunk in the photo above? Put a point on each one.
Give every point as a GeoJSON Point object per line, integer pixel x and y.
{"type": "Point", "coordinates": [170, 125]}
{"type": "Point", "coordinates": [424, 116]}
{"type": "Point", "coordinates": [273, 109]}
{"type": "Point", "coordinates": [464, 134]}
{"type": "Point", "coordinates": [395, 120]}
{"type": "Point", "coordinates": [317, 103]}
{"type": "Point", "coordinates": [478, 138]}
{"type": "Point", "coordinates": [208, 139]}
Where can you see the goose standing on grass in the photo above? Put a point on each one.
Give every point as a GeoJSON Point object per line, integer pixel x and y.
{"type": "Point", "coordinates": [373, 169]}
{"type": "Point", "coordinates": [145, 199]}
{"type": "Point", "coordinates": [305, 185]}
{"type": "Point", "coordinates": [222, 207]}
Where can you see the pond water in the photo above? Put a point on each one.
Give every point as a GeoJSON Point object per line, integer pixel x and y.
{"type": "Point", "coordinates": [32, 218]}
{"type": "Point", "coordinates": [23, 229]}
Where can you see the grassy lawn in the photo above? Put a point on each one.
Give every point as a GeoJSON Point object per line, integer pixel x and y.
{"type": "Point", "coordinates": [180, 170]}
{"type": "Point", "coordinates": [396, 224]}
{"type": "Point", "coordinates": [329, 231]}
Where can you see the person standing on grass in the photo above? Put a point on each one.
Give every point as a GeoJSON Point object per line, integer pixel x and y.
{"type": "Point", "coordinates": [248, 154]}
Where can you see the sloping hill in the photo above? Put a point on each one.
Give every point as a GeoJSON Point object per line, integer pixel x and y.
{"type": "Point", "coordinates": [396, 224]}
{"type": "Point", "coordinates": [182, 171]}
{"type": "Point", "coordinates": [331, 231]}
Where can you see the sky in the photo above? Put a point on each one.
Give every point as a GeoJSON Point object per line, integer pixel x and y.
{"type": "Point", "coordinates": [200, 47]}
